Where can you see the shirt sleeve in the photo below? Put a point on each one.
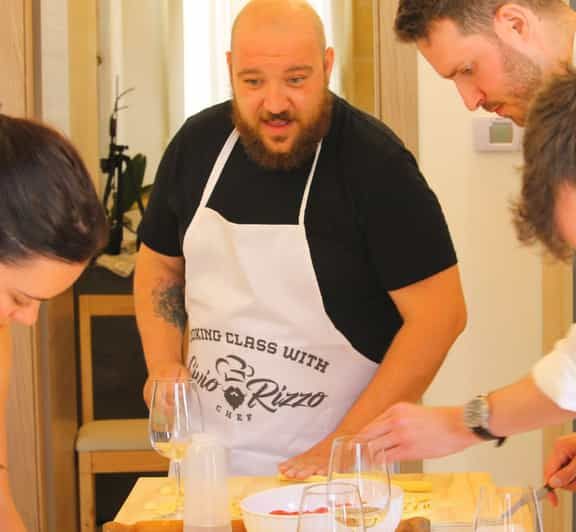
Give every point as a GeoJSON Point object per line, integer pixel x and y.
{"type": "Point", "coordinates": [555, 373]}
{"type": "Point", "coordinates": [405, 227]}
{"type": "Point", "coordinates": [159, 228]}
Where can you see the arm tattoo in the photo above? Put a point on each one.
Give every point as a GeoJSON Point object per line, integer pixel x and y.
{"type": "Point", "coordinates": [169, 304]}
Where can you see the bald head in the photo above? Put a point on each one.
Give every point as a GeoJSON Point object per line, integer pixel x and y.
{"type": "Point", "coordinates": [279, 16]}
{"type": "Point", "coordinates": [279, 71]}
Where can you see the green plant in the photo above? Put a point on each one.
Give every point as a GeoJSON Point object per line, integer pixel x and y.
{"type": "Point", "coordinates": [133, 176]}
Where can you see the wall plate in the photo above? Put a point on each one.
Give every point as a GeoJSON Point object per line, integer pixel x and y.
{"type": "Point", "coordinates": [497, 134]}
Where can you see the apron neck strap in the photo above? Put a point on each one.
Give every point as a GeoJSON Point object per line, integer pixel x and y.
{"type": "Point", "coordinates": [219, 166]}
{"type": "Point", "coordinates": [308, 184]}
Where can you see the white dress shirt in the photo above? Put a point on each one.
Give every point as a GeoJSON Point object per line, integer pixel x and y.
{"type": "Point", "coordinates": [555, 374]}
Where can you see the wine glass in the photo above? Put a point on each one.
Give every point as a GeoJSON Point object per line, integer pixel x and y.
{"type": "Point", "coordinates": [175, 416]}
{"type": "Point", "coordinates": [497, 511]}
{"type": "Point", "coordinates": [356, 461]}
{"type": "Point", "coordinates": [331, 507]}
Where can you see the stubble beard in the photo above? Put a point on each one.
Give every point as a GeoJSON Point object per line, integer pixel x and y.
{"type": "Point", "coordinates": [304, 144]}
{"type": "Point", "coordinates": [525, 78]}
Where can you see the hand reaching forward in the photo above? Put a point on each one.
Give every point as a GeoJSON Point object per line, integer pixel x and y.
{"type": "Point", "coordinates": [411, 432]}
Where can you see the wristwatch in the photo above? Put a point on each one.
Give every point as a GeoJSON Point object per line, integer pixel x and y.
{"type": "Point", "coordinates": [477, 417]}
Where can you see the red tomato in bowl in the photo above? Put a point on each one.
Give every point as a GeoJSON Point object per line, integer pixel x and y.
{"type": "Point", "coordinates": [321, 510]}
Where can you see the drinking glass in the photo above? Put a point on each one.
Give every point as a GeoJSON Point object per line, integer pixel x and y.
{"type": "Point", "coordinates": [331, 507]}
{"type": "Point", "coordinates": [356, 461]}
{"type": "Point", "coordinates": [496, 510]}
{"type": "Point", "coordinates": [175, 416]}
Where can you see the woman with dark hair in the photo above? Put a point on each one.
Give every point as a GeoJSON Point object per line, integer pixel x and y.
{"type": "Point", "coordinates": [51, 225]}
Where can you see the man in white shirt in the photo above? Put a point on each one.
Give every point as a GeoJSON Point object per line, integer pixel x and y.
{"type": "Point", "coordinates": [499, 54]}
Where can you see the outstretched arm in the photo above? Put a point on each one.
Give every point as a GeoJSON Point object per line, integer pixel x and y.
{"type": "Point", "coordinates": [412, 432]}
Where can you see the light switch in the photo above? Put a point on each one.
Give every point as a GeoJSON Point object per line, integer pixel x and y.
{"type": "Point", "coordinates": [496, 134]}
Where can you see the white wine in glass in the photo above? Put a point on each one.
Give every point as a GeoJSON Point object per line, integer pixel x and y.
{"type": "Point", "coordinates": [356, 461]}
{"type": "Point", "coordinates": [175, 416]}
{"type": "Point", "coordinates": [369, 515]}
{"type": "Point", "coordinates": [331, 507]}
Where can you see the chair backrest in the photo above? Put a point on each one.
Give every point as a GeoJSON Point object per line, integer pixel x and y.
{"type": "Point", "coordinates": [120, 371]}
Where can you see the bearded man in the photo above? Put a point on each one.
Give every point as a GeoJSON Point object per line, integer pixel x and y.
{"type": "Point", "coordinates": [296, 238]}
{"type": "Point", "coordinates": [498, 53]}
{"type": "Point", "coordinates": [514, 58]}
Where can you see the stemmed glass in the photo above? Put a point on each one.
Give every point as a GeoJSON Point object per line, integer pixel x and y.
{"type": "Point", "coordinates": [331, 507]}
{"type": "Point", "coordinates": [175, 416]}
{"type": "Point", "coordinates": [356, 461]}
{"type": "Point", "coordinates": [497, 510]}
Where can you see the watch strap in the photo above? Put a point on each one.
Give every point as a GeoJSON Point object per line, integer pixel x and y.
{"type": "Point", "coordinates": [485, 434]}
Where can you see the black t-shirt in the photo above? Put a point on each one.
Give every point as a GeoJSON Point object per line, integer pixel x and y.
{"type": "Point", "coordinates": [372, 223]}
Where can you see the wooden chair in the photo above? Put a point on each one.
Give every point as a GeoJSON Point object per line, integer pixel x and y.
{"type": "Point", "coordinates": [109, 445]}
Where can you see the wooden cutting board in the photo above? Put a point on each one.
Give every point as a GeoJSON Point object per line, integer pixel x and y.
{"type": "Point", "coordinates": [451, 497]}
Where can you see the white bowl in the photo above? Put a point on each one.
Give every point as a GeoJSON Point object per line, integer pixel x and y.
{"type": "Point", "coordinates": [256, 510]}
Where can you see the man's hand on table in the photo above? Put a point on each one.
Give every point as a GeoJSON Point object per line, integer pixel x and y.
{"type": "Point", "coordinates": [408, 431]}
{"type": "Point", "coordinates": [560, 468]}
{"type": "Point", "coordinates": [169, 370]}
{"type": "Point", "coordinates": [312, 462]}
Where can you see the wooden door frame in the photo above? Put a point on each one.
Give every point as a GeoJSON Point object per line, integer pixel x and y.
{"type": "Point", "coordinates": [557, 315]}
{"type": "Point", "coordinates": [396, 77]}
{"type": "Point", "coordinates": [24, 419]}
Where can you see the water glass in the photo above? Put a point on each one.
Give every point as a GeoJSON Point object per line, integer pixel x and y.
{"type": "Point", "coordinates": [497, 511]}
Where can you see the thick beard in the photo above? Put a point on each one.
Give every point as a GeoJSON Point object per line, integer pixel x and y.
{"type": "Point", "coordinates": [304, 145]}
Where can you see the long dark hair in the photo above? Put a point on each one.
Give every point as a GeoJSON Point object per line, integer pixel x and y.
{"type": "Point", "coordinates": [48, 205]}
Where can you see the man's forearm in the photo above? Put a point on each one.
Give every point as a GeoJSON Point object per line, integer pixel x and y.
{"type": "Point", "coordinates": [409, 367]}
{"type": "Point", "coordinates": [418, 349]}
{"type": "Point", "coordinates": [160, 309]}
{"type": "Point", "coordinates": [521, 407]}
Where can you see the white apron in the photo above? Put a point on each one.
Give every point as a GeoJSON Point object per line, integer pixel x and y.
{"type": "Point", "coordinates": [274, 374]}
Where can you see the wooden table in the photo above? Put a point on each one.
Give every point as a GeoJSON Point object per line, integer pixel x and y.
{"type": "Point", "coordinates": [449, 503]}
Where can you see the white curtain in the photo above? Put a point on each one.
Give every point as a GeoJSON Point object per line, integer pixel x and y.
{"type": "Point", "coordinates": [337, 17]}
{"type": "Point", "coordinates": [206, 28]}
{"type": "Point", "coordinates": [339, 21]}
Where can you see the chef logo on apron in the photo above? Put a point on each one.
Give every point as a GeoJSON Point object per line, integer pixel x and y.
{"type": "Point", "coordinates": [240, 391]}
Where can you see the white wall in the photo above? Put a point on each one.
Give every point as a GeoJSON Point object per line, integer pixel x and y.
{"type": "Point", "coordinates": [55, 110]}
{"type": "Point", "coordinates": [501, 280]}
{"type": "Point", "coordinates": [54, 79]}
